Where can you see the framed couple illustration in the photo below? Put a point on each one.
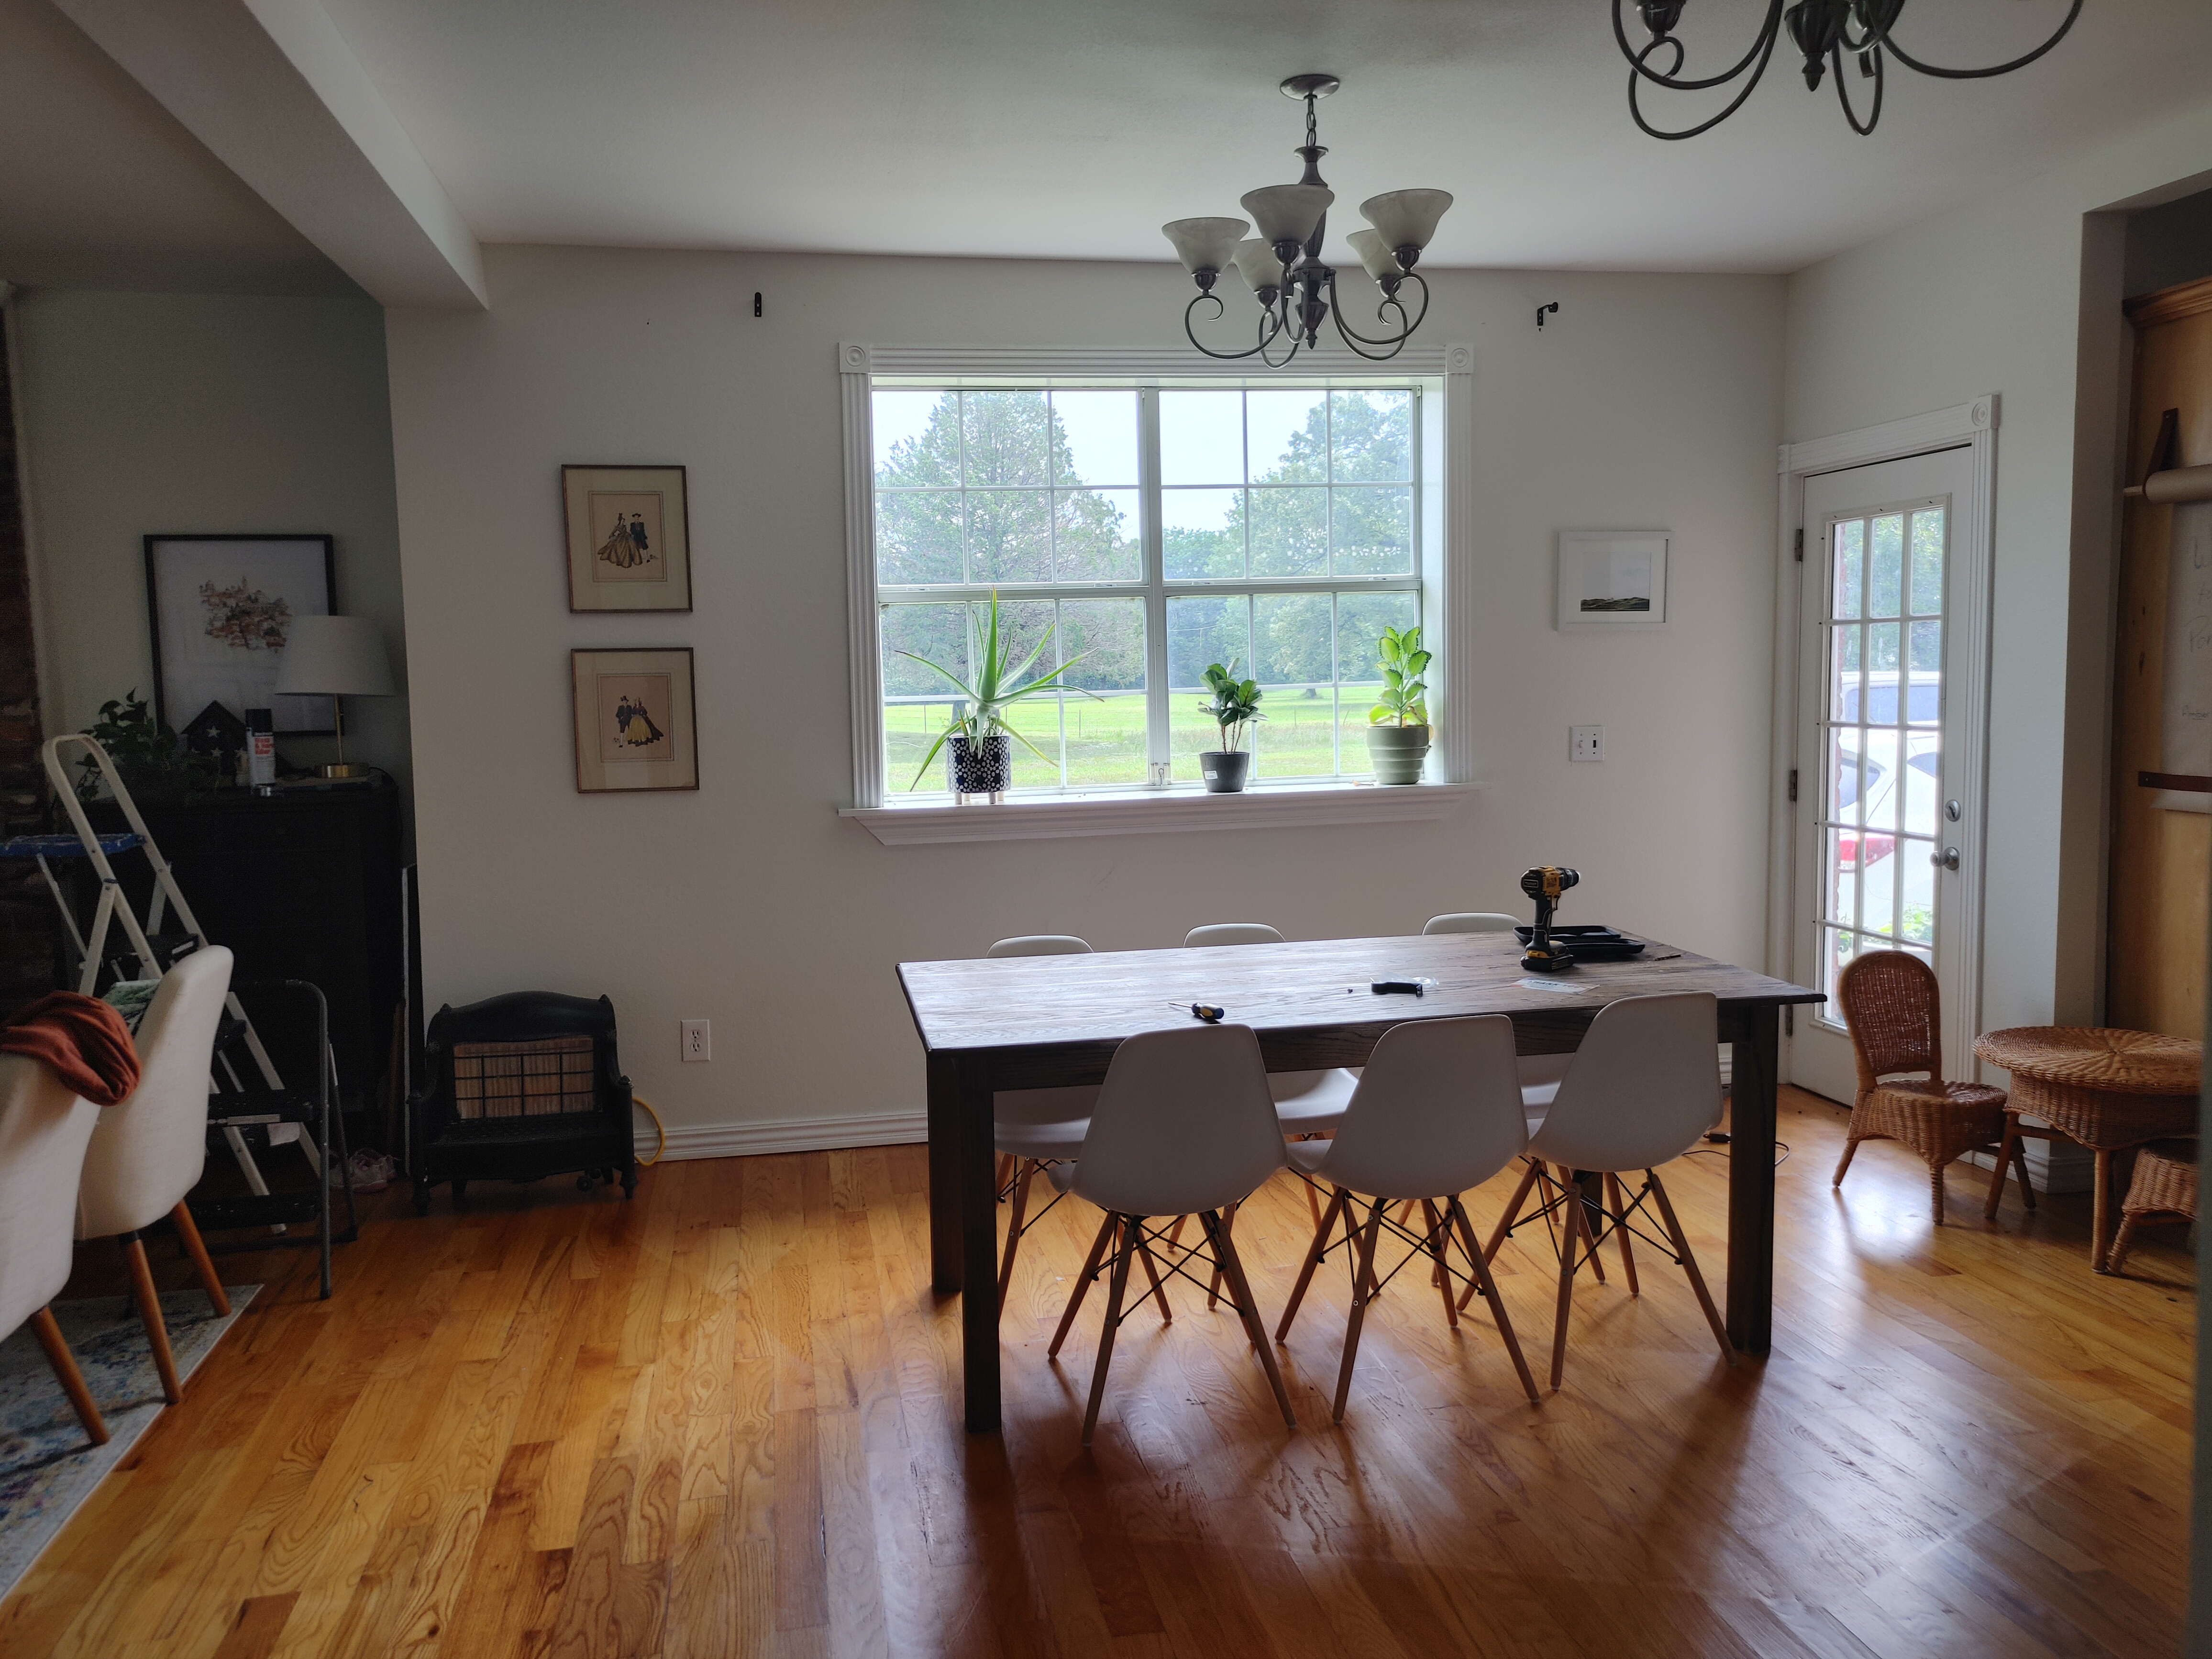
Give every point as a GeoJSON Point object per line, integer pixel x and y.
{"type": "Point", "coordinates": [630, 537]}
{"type": "Point", "coordinates": [636, 719]}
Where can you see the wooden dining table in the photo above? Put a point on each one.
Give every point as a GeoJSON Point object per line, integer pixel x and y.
{"type": "Point", "coordinates": [1054, 1022]}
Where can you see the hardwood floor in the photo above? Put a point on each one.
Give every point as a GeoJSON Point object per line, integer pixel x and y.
{"type": "Point", "coordinates": [718, 1421]}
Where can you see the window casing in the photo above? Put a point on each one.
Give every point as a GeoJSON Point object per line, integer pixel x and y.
{"type": "Point", "coordinates": [1153, 528]}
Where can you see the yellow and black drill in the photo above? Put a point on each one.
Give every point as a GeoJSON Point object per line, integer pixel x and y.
{"type": "Point", "coordinates": [1544, 884]}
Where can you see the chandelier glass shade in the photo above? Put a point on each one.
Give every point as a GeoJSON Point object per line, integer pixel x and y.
{"type": "Point", "coordinates": [1824, 33]}
{"type": "Point", "coordinates": [1281, 264]}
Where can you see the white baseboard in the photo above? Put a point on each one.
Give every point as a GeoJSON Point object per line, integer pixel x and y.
{"type": "Point", "coordinates": [787, 1134]}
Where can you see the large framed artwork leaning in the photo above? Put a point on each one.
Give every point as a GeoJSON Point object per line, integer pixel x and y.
{"type": "Point", "coordinates": [220, 609]}
{"type": "Point", "coordinates": [636, 726]}
{"type": "Point", "coordinates": [630, 537]}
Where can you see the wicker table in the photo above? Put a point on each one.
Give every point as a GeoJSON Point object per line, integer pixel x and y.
{"type": "Point", "coordinates": [2105, 1090]}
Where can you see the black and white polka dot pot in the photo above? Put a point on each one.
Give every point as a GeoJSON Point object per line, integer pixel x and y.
{"type": "Point", "coordinates": [983, 767]}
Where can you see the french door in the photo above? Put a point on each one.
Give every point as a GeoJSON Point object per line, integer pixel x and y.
{"type": "Point", "coordinates": [1882, 844]}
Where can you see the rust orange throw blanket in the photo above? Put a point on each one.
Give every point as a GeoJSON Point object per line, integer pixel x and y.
{"type": "Point", "coordinates": [83, 1040]}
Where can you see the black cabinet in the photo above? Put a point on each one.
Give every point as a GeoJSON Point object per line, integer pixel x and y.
{"type": "Point", "coordinates": [300, 884]}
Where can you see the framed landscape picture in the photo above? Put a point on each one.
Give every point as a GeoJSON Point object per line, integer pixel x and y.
{"type": "Point", "coordinates": [630, 537]}
{"type": "Point", "coordinates": [220, 609]}
{"type": "Point", "coordinates": [635, 719]}
{"type": "Point", "coordinates": [1612, 580]}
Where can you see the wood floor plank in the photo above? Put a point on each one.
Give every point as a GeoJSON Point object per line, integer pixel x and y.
{"type": "Point", "coordinates": [722, 1419]}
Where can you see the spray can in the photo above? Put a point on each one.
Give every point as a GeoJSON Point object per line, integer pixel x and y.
{"type": "Point", "coordinates": [260, 748]}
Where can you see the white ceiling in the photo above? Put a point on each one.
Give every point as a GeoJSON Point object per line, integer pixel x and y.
{"type": "Point", "coordinates": [1072, 128]}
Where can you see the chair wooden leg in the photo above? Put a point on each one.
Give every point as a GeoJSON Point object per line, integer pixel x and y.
{"type": "Point", "coordinates": [1313, 1260]}
{"type": "Point", "coordinates": [1437, 1233]}
{"type": "Point", "coordinates": [1313, 1202]}
{"type": "Point", "coordinates": [66, 1373]}
{"type": "Point", "coordinates": [1570, 1189]}
{"type": "Point", "coordinates": [1029, 1169]}
{"type": "Point", "coordinates": [2003, 1162]}
{"type": "Point", "coordinates": [1850, 1152]}
{"type": "Point", "coordinates": [1936, 1191]}
{"type": "Point", "coordinates": [1175, 1233]}
{"type": "Point", "coordinates": [1456, 1211]}
{"type": "Point", "coordinates": [1117, 1286]}
{"type": "Point", "coordinates": [1005, 1173]}
{"type": "Point", "coordinates": [1152, 1273]}
{"type": "Point", "coordinates": [1512, 1210]}
{"type": "Point", "coordinates": [1224, 1250]}
{"type": "Point", "coordinates": [1082, 1285]}
{"type": "Point", "coordinates": [149, 1312]}
{"type": "Point", "coordinates": [1570, 1238]}
{"type": "Point", "coordinates": [1621, 1230]}
{"type": "Point", "coordinates": [2101, 1218]}
{"type": "Point", "coordinates": [2020, 1164]}
{"type": "Point", "coordinates": [1214, 1290]}
{"type": "Point", "coordinates": [1363, 1279]}
{"type": "Point", "coordinates": [1690, 1266]}
{"type": "Point", "coordinates": [2122, 1243]}
{"type": "Point", "coordinates": [189, 1232]}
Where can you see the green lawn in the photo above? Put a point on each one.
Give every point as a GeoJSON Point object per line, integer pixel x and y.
{"type": "Point", "coordinates": [1105, 740]}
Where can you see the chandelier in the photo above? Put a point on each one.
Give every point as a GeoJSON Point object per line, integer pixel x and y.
{"type": "Point", "coordinates": [1825, 31]}
{"type": "Point", "coordinates": [1283, 264]}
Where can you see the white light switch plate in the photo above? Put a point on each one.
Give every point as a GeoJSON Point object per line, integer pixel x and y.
{"type": "Point", "coordinates": [1589, 742]}
{"type": "Point", "coordinates": [697, 1041]}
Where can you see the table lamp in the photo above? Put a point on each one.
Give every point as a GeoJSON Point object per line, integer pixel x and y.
{"type": "Point", "coordinates": [335, 657]}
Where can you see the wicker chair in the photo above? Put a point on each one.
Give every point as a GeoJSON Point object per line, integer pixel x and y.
{"type": "Point", "coordinates": [1891, 1004]}
{"type": "Point", "coordinates": [2165, 1184]}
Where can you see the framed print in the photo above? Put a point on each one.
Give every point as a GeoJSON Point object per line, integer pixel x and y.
{"type": "Point", "coordinates": [630, 537]}
{"type": "Point", "coordinates": [1611, 579]}
{"type": "Point", "coordinates": [636, 721]}
{"type": "Point", "coordinates": [220, 608]}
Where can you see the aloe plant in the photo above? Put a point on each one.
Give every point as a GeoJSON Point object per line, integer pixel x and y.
{"type": "Point", "coordinates": [1232, 703]}
{"type": "Point", "coordinates": [1404, 697]}
{"type": "Point", "coordinates": [998, 686]}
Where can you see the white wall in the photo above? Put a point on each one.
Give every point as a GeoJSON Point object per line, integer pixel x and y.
{"type": "Point", "coordinates": [1648, 401]}
{"type": "Point", "coordinates": [2017, 295]}
{"type": "Point", "coordinates": [144, 413]}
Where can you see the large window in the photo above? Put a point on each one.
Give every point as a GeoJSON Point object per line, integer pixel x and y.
{"type": "Point", "coordinates": [1140, 534]}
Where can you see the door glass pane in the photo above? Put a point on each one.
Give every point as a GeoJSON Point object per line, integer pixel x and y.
{"type": "Point", "coordinates": [1877, 858]}
{"type": "Point", "coordinates": [1886, 566]}
{"type": "Point", "coordinates": [1851, 567]}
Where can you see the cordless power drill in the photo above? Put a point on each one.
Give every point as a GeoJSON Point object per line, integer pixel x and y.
{"type": "Point", "coordinates": [1544, 884]}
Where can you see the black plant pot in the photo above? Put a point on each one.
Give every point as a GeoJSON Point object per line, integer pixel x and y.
{"type": "Point", "coordinates": [984, 766]}
{"type": "Point", "coordinates": [1224, 772]}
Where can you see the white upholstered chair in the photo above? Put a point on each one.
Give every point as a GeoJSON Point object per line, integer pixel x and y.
{"type": "Point", "coordinates": [44, 1129]}
{"type": "Point", "coordinates": [147, 1152]}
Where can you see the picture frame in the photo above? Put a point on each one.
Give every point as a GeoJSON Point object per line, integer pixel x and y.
{"type": "Point", "coordinates": [630, 537]}
{"type": "Point", "coordinates": [216, 609]}
{"type": "Point", "coordinates": [1612, 580]}
{"type": "Point", "coordinates": [614, 690]}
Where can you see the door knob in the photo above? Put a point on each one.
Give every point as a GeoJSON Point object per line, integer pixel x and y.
{"type": "Point", "coordinates": [1947, 859]}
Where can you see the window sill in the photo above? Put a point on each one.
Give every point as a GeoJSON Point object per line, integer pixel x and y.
{"type": "Point", "coordinates": [1146, 812]}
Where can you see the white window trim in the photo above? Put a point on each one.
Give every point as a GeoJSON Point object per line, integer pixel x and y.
{"type": "Point", "coordinates": [1447, 483]}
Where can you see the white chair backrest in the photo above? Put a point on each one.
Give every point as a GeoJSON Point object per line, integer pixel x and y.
{"type": "Point", "coordinates": [1232, 932]}
{"type": "Point", "coordinates": [1645, 1086]}
{"type": "Point", "coordinates": [1437, 1111]}
{"type": "Point", "coordinates": [149, 1150]}
{"type": "Point", "coordinates": [1470, 921]}
{"type": "Point", "coordinates": [1039, 945]}
{"type": "Point", "coordinates": [43, 1132]}
{"type": "Point", "coordinates": [1183, 1122]}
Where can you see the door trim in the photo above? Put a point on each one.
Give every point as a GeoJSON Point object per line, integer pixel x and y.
{"type": "Point", "coordinates": [1973, 534]}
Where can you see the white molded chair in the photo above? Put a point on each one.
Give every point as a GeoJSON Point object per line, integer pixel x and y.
{"type": "Point", "coordinates": [1643, 1089]}
{"type": "Point", "coordinates": [149, 1150]}
{"type": "Point", "coordinates": [1437, 1111]}
{"type": "Point", "coordinates": [44, 1130]}
{"type": "Point", "coordinates": [1183, 1125]}
{"type": "Point", "coordinates": [1470, 921]}
{"type": "Point", "coordinates": [1230, 932]}
{"type": "Point", "coordinates": [1033, 1129]}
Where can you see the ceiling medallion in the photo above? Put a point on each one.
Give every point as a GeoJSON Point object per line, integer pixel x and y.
{"type": "Point", "coordinates": [1825, 31]}
{"type": "Point", "coordinates": [1283, 265]}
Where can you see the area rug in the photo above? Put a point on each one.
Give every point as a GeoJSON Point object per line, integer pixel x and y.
{"type": "Point", "coordinates": [46, 1468]}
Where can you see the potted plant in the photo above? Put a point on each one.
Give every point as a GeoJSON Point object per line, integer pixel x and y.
{"type": "Point", "coordinates": [150, 757]}
{"type": "Point", "coordinates": [1398, 725]}
{"type": "Point", "coordinates": [1234, 704]}
{"type": "Point", "coordinates": [979, 741]}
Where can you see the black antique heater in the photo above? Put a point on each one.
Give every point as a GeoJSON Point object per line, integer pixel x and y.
{"type": "Point", "coordinates": [522, 1086]}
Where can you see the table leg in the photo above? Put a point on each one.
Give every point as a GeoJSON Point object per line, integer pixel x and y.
{"type": "Point", "coordinates": [1751, 1119]}
{"type": "Point", "coordinates": [2100, 1215]}
{"type": "Point", "coordinates": [978, 1245]}
{"type": "Point", "coordinates": [943, 1173]}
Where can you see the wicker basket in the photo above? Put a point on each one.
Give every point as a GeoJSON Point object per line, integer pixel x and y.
{"type": "Point", "coordinates": [2165, 1184]}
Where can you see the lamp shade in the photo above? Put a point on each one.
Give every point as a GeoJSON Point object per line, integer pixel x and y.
{"type": "Point", "coordinates": [1405, 218]}
{"type": "Point", "coordinates": [1259, 264]}
{"type": "Point", "coordinates": [1374, 254]}
{"type": "Point", "coordinates": [1288, 213]}
{"type": "Point", "coordinates": [334, 656]}
{"type": "Point", "coordinates": [1204, 243]}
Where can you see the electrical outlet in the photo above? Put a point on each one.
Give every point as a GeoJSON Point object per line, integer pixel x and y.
{"type": "Point", "coordinates": [1589, 742]}
{"type": "Point", "coordinates": [698, 1041]}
